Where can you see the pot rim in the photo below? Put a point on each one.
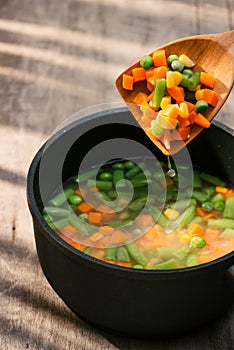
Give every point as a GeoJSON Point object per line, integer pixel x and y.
{"type": "Point", "coordinates": [98, 263]}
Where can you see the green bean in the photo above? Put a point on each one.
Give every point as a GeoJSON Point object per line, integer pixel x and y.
{"type": "Point", "coordinates": [47, 218]}
{"type": "Point", "coordinates": [102, 185]}
{"type": "Point", "coordinates": [210, 191]}
{"type": "Point", "coordinates": [137, 204]}
{"type": "Point", "coordinates": [137, 266]}
{"type": "Point", "coordinates": [165, 253]}
{"type": "Point", "coordinates": [214, 180]}
{"type": "Point", "coordinates": [60, 223]}
{"type": "Point", "coordinates": [200, 196]}
{"type": "Point", "coordinates": [190, 96]}
{"type": "Point", "coordinates": [183, 204]}
{"type": "Point", "coordinates": [159, 92]}
{"type": "Point", "coordinates": [78, 224]}
{"type": "Point", "coordinates": [218, 198]}
{"type": "Point", "coordinates": [105, 176]}
{"type": "Point", "coordinates": [118, 175]}
{"type": "Point", "coordinates": [129, 164]}
{"type": "Point", "coordinates": [184, 81]}
{"type": "Point", "coordinates": [136, 254]}
{"type": "Point", "coordinates": [197, 183]}
{"type": "Point", "coordinates": [118, 166]}
{"type": "Point", "coordinates": [221, 223]}
{"type": "Point", "coordinates": [132, 172]}
{"type": "Point", "coordinates": [62, 197]}
{"type": "Point", "coordinates": [112, 194]}
{"type": "Point", "coordinates": [194, 80]}
{"type": "Point", "coordinates": [158, 216]}
{"type": "Point", "coordinates": [110, 253]}
{"type": "Point", "coordinates": [166, 265]}
{"type": "Point", "coordinates": [102, 196]}
{"type": "Point", "coordinates": [229, 208]}
{"type": "Point", "coordinates": [207, 206]}
{"type": "Point", "coordinates": [185, 218]}
{"type": "Point", "coordinates": [140, 182]}
{"type": "Point", "coordinates": [188, 72]}
{"type": "Point", "coordinates": [118, 223]}
{"type": "Point", "coordinates": [192, 260]}
{"type": "Point", "coordinates": [227, 233]}
{"type": "Point", "coordinates": [197, 220]}
{"type": "Point", "coordinates": [86, 175]}
{"type": "Point", "coordinates": [182, 253]}
{"type": "Point", "coordinates": [56, 212]}
{"type": "Point", "coordinates": [75, 199]}
{"type": "Point", "coordinates": [122, 254]}
{"type": "Point", "coordinates": [88, 251]}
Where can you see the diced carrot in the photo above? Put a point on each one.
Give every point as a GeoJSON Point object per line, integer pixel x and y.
{"type": "Point", "coordinates": [181, 133]}
{"type": "Point", "coordinates": [195, 229]}
{"type": "Point", "coordinates": [127, 82]}
{"type": "Point", "coordinates": [96, 237]}
{"type": "Point", "coordinates": [221, 189]}
{"type": "Point", "coordinates": [78, 192]}
{"type": "Point", "coordinates": [95, 217]}
{"type": "Point", "coordinates": [94, 189]}
{"type": "Point", "coordinates": [160, 72]}
{"type": "Point", "coordinates": [229, 194]}
{"type": "Point", "coordinates": [144, 220]}
{"type": "Point", "coordinates": [166, 122]}
{"type": "Point", "coordinates": [151, 233]}
{"type": "Point", "coordinates": [124, 263]}
{"type": "Point", "coordinates": [200, 212]}
{"type": "Point", "coordinates": [208, 95]}
{"type": "Point", "coordinates": [177, 92]}
{"type": "Point", "coordinates": [192, 117]}
{"type": "Point", "coordinates": [159, 58]}
{"type": "Point", "coordinates": [149, 73]}
{"type": "Point", "coordinates": [171, 110]}
{"type": "Point", "coordinates": [117, 237]}
{"type": "Point", "coordinates": [190, 106]}
{"type": "Point", "coordinates": [106, 230]}
{"type": "Point", "coordinates": [77, 245]}
{"type": "Point", "coordinates": [138, 74]}
{"type": "Point", "coordinates": [169, 182]}
{"type": "Point", "coordinates": [69, 229]}
{"type": "Point", "coordinates": [84, 207]}
{"type": "Point", "coordinates": [202, 121]}
{"type": "Point", "coordinates": [184, 122]}
{"type": "Point", "coordinates": [150, 97]}
{"type": "Point", "coordinates": [207, 79]}
{"type": "Point", "coordinates": [107, 212]}
{"type": "Point", "coordinates": [150, 83]}
{"type": "Point", "coordinates": [140, 97]}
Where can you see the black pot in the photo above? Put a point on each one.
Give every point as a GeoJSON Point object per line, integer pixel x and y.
{"type": "Point", "coordinates": [123, 300]}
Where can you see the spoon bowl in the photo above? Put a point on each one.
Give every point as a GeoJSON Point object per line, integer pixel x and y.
{"type": "Point", "coordinates": [212, 53]}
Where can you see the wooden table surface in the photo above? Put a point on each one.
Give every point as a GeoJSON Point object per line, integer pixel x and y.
{"type": "Point", "coordinates": [56, 58]}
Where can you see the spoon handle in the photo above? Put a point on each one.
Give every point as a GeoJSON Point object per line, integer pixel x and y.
{"type": "Point", "coordinates": [226, 40]}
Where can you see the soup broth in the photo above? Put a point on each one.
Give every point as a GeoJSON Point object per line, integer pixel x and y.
{"type": "Point", "coordinates": [131, 213]}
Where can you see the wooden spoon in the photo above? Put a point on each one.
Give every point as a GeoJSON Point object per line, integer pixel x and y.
{"type": "Point", "coordinates": [211, 53]}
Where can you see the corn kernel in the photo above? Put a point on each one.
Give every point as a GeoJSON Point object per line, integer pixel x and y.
{"type": "Point", "coordinates": [166, 100]}
{"type": "Point", "coordinates": [183, 110]}
{"type": "Point", "coordinates": [177, 77]}
{"type": "Point", "coordinates": [187, 62]}
{"type": "Point", "coordinates": [171, 214]}
{"type": "Point", "coordinates": [170, 80]}
{"type": "Point", "coordinates": [96, 236]}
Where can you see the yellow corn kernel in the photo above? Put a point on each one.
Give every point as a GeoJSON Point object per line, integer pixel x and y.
{"type": "Point", "coordinates": [96, 236]}
{"type": "Point", "coordinates": [166, 100]}
{"type": "Point", "coordinates": [186, 237]}
{"type": "Point", "coordinates": [171, 110]}
{"type": "Point", "coordinates": [171, 214]}
{"type": "Point", "coordinates": [170, 80]}
{"type": "Point", "coordinates": [183, 110]}
{"type": "Point", "coordinates": [177, 77]}
{"type": "Point", "coordinates": [187, 62]}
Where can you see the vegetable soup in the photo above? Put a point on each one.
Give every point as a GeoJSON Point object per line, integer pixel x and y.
{"type": "Point", "coordinates": [131, 213]}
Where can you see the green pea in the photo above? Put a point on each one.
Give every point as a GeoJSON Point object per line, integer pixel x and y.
{"type": "Point", "coordinates": [47, 218]}
{"type": "Point", "coordinates": [146, 62]}
{"type": "Point", "coordinates": [207, 206]}
{"type": "Point", "coordinates": [194, 80]}
{"type": "Point", "coordinates": [75, 199]}
{"type": "Point", "coordinates": [172, 58]}
{"type": "Point", "coordinates": [129, 164]}
{"type": "Point", "coordinates": [117, 166]}
{"type": "Point", "coordinates": [219, 206]}
{"type": "Point", "coordinates": [184, 81]}
{"type": "Point", "coordinates": [106, 176]}
{"type": "Point", "coordinates": [177, 65]}
{"type": "Point", "coordinates": [197, 242]}
{"type": "Point", "coordinates": [201, 106]}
